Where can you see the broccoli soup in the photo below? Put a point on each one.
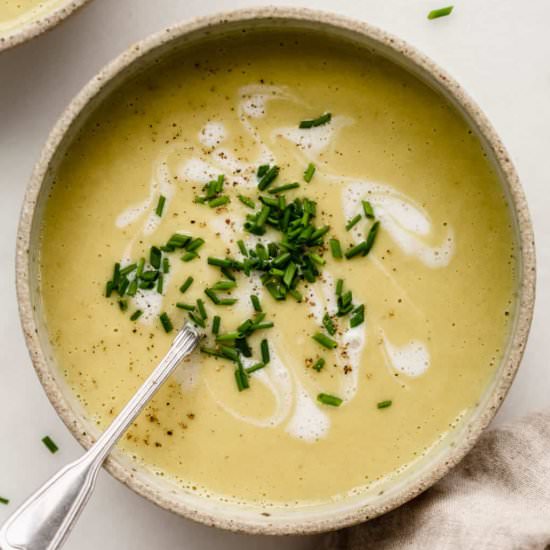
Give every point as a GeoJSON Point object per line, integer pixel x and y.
{"type": "Point", "coordinates": [334, 228]}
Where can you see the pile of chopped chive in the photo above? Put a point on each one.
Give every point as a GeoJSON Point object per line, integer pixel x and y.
{"type": "Point", "coordinates": [294, 256]}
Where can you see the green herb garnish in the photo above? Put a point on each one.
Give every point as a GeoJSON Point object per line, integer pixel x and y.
{"type": "Point", "coordinates": [353, 222]}
{"type": "Point", "coordinates": [441, 12]}
{"type": "Point", "coordinates": [50, 444]}
{"type": "Point", "coordinates": [136, 315]}
{"type": "Point", "coordinates": [328, 399]}
{"type": "Point", "coordinates": [335, 248]}
{"type": "Point", "coordinates": [216, 321]}
{"type": "Point", "coordinates": [247, 202]}
{"type": "Point", "coordinates": [319, 364]}
{"type": "Point", "coordinates": [384, 404]}
{"type": "Point", "coordinates": [309, 172]}
{"type": "Point", "coordinates": [166, 323]}
{"type": "Point", "coordinates": [324, 340]}
{"type": "Point", "coordinates": [188, 282]}
{"type": "Point", "coordinates": [4, 500]}
{"type": "Point", "coordinates": [319, 121]}
{"type": "Point", "coordinates": [367, 209]}
{"type": "Point", "coordinates": [160, 206]}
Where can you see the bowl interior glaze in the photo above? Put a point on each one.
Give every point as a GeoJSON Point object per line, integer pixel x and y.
{"type": "Point", "coordinates": [225, 514]}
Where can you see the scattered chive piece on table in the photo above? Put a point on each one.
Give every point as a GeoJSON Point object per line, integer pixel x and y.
{"type": "Point", "coordinates": [384, 404]}
{"type": "Point", "coordinates": [216, 321]}
{"type": "Point", "coordinates": [441, 12]}
{"type": "Point", "coordinates": [319, 364]}
{"type": "Point", "coordinates": [367, 209]}
{"type": "Point", "coordinates": [188, 282]}
{"type": "Point", "coordinates": [160, 206]}
{"type": "Point", "coordinates": [309, 172]}
{"type": "Point", "coordinates": [166, 323]}
{"type": "Point", "coordinates": [4, 500]}
{"type": "Point", "coordinates": [50, 444]}
{"type": "Point", "coordinates": [328, 399]}
{"type": "Point", "coordinates": [353, 222]}
{"type": "Point", "coordinates": [136, 315]}
{"type": "Point", "coordinates": [335, 248]}
{"type": "Point", "coordinates": [313, 123]}
{"type": "Point", "coordinates": [324, 340]}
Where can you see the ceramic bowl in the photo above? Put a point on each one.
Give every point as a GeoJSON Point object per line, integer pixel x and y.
{"type": "Point", "coordinates": [255, 519]}
{"type": "Point", "coordinates": [45, 18]}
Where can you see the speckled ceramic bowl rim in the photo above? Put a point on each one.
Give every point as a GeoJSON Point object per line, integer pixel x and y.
{"type": "Point", "coordinates": [42, 24]}
{"type": "Point", "coordinates": [518, 336]}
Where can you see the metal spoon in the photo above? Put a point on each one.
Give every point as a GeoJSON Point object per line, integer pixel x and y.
{"type": "Point", "coordinates": [45, 519]}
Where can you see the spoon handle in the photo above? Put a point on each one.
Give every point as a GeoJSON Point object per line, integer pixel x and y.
{"type": "Point", "coordinates": [44, 520]}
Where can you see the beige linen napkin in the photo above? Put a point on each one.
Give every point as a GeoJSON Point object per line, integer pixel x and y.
{"type": "Point", "coordinates": [497, 498]}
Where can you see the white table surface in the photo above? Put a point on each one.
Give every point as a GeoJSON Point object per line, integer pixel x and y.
{"type": "Point", "coordinates": [499, 51]}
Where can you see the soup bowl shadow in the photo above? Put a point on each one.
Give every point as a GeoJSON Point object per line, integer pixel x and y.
{"type": "Point", "coordinates": [252, 518]}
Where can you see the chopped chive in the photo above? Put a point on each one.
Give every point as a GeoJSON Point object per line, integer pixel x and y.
{"type": "Point", "coordinates": [328, 399]}
{"type": "Point", "coordinates": [128, 269]}
{"type": "Point", "coordinates": [371, 237]}
{"type": "Point", "coordinates": [335, 248]}
{"type": "Point", "coordinates": [264, 349]}
{"type": "Point", "coordinates": [212, 295]}
{"type": "Point", "coordinates": [261, 326]}
{"type": "Point", "coordinates": [289, 273]}
{"type": "Point", "coordinates": [384, 404]}
{"type": "Point", "coordinates": [441, 12]}
{"type": "Point", "coordinates": [283, 188]}
{"type": "Point", "coordinates": [262, 170]}
{"type": "Point", "coordinates": [358, 316]}
{"type": "Point", "coordinates": [241, 378]}
{"type": "Point", "coordinates": [228, 336]}
{"type": "Point", "coordinates": [319, 121]}
{"type": "Point", "coordinates": [166, 323]}
{"type": "Point", "coordinates": [197, 320]}
{"type": "Point", "coordinates": [132, 288]}
{"type": "Point", "coordinates": [319, 364]}
{"type": "Point", "coordinates": [242, 247]}
{"type": "Point", "coordinates": [4, 500]}
{"type": "Point", "coordinates": [219, 262]}
{"type": "Point", "coordinates": [295, 294]}
{"type": "Point", "coordinates": [317, 259]}
{"type": "Point", "coordinates": [108, 289]}
{"type": "Point", "coordinates": [188, 256]}
{"type": "Point", "coordinates": [309, 172]}
{"type": "Point", "coordinates": [201, 308]}
{"type": "Point", "coordinates": [178, 240]}
{"type": "Point", "coordinates": [324, 340]}
{"type": "Point", "coordinates": [219, 201]}
{"type": "Point", "coordinates": [247, 201]}
{"type": "Point", "coordinates": [136, 315]}
{"type": "Point", "coordinates": [140, 266]}
{"type": "Point", "coordinates": [160, 206]}
{"type": "Point", "coordinates": [329, 324]}
{"type": "Point", "coordinates": [254, 368]}
{"type": "Point", "coordinates": [227, 301]}
{"type": "Point", "coordinates": [155, 256]}
{"type": "Point", "coordinates": [160, 283]}
{"type": "Point", "coordinates": [368, 209]}
{"type": "Point", "coordinates": [229, 353]}
{"type": "Point", "coordinates": [224, 285]}
{"type": "Point", "coordinates": [216, 321]}
{"type": "Point", "coordinates": [356, 250]}
{"type": "Point", "coordinates": [262, 216]}
{"type": "Point", "coordinates": [50, 444]}
{"type": "Point", "coordinates": [226, 272]}
{"type": "Point", "coordinates": [187, 307]}
{"type": "Point", "coordinates": [255, 302]}
{"type": "Point", "coordinates": [123, 305]}
{"type": "Point", "coordinates": [339, 287]}
{"type": "Point", "coordinates": [188, 282]}
{"type": "Point", "coordinates": [268, 178]}
{"type": "Point", "coordinates": [165, 265]}
{"type": "Point", "coordinates": [116, 275]}
{"type": "Point", "coordinates": [354, 221]}
{"type": "Point", "coordinates": [194, 245]}
{"type": "Point", "coordinates": [210, 351]}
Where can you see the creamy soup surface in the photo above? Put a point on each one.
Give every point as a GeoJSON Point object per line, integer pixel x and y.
{"type": "Point", "coordinates": [14, 13]}
{"type": "Point", "coordinates": [438, 285]}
